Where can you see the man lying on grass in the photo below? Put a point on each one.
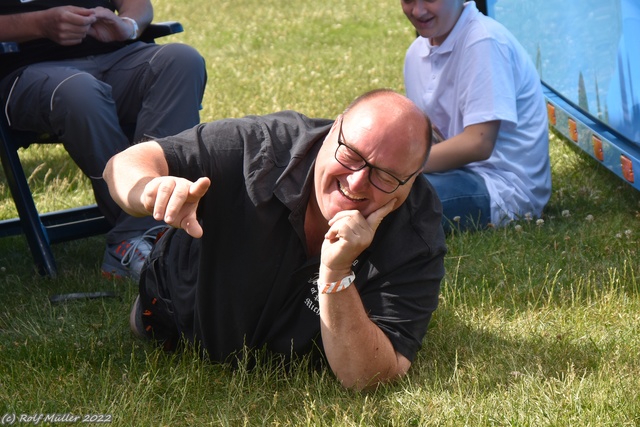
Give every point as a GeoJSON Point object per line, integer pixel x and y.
{"type": "Point", "coordinates": [292, 234]}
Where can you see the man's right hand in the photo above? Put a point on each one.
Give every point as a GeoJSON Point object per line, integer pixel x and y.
{"type": "Point", "coordinates": [175, 200]}
{"type": "Point", "coordinates": [67, 25]}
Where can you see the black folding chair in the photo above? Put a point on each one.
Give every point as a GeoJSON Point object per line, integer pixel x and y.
{"type": "Point", "coordinates": [42, 230]}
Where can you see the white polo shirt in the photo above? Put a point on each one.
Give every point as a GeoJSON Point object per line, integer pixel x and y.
{"type": "Point", "coordinates": [481, 73]}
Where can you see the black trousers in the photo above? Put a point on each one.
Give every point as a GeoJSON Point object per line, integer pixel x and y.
{"type": "Point", "coordinates": [167, 289]}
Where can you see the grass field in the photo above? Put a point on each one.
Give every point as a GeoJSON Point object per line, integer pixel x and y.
{"type": "Point", "coordinates": [538, 323]}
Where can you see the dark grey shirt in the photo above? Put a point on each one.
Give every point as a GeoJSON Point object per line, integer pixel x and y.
{"type": "Point", "coordinates": [255, 280]}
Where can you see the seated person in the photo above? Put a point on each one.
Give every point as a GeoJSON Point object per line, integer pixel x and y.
{"type": "Point", "coordinates": [482, 91]}
{"type": "Point", "coordinates": [314, 236]}
{"type": "Point", "coordinates": [80, 75]}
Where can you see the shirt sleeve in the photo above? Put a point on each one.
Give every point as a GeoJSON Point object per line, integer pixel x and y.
{"type": "Point", "coordinates": [214, 150]}
{"type": "Point", "coordinates": [487, 84]}
{"type": "Point", "coordinates": [404, 302]}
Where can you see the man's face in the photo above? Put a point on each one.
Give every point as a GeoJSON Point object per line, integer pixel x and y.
{"type": "Point", "coordinates": [338, 188]}
{"type": "Point", "coordinates": [433, 19]}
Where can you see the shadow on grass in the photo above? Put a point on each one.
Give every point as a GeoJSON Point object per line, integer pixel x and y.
{"type": "Point", "coordinates": [456, 352]}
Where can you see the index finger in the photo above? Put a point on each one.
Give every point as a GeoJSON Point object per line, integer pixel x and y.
{"type": "Point", "coordinates": [375, 218]}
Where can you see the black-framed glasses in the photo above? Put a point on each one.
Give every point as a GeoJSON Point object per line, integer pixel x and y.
{"type": "Point", "coordinates": [352, 160]}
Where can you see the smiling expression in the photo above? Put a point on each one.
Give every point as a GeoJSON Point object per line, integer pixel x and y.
{"type": "Point", "coordinates": [387, 133]}
{"type": "Point", "coordinates": [433, 19]}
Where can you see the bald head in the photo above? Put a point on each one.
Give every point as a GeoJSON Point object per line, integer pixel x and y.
{"type": "Point", "coordinates": [398, 116]}
{"type": "Point", "coordinates": [384, 139]}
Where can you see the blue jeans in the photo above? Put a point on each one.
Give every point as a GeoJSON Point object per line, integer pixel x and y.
{"type": "Point", "coordinates": [465, 199]}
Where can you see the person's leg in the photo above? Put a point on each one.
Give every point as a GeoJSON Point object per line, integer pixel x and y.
{"type": "Point", "coordinates": [71, 104]}
{"type": "Point", "coordinates": [164, 309]}
{"type": "Point", "coordinates": [158, 91]}
{"type": "Point", "coordinates": [159, 88]}
{"type": "Point", "coordinates": [65, 99]}
{"type": "Point", "coordinates": [466, 204]}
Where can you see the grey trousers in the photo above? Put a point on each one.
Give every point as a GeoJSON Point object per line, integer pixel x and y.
{"type": "Point", "coordinates": [99, 105]}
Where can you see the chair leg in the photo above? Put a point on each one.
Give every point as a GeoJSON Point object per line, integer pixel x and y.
{"type": "Point", "coordinates": [34, 230]}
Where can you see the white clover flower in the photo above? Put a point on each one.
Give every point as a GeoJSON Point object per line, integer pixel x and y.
{"type": "Point", "coordinates": [540, 222]}
{"type": "Point", "coordinates": [528, 216]}
{"type": "Point", "coordinates": [627, 233]}
{"type": "Point", "coordinates": [566, 213]}
{"type": "Point", "coordinates": [518, 228]}
{"type": "Point", "coordinates": [589, 218]}
{"type": "Point", "coordinates": [456, 218]}
{"type": "Point", "coordinates": [618, 235]}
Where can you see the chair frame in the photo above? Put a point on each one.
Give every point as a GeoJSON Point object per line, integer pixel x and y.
{"type": "Point", "coordinates": [43, 230]}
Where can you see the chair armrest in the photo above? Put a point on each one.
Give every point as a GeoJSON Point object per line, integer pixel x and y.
{"type": "Point", "coordinates": [152, 32]}
{"type": "Point", "coordinates": [160, 29]}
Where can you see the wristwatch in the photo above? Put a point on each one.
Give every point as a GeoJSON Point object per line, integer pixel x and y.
{"type": "Point", "coordinates": [134, 33]}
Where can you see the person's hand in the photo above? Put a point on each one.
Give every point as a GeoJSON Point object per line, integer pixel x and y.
{"type": "Point", "coordinates": [68, 25]}
{"type": "Point", "coordinates": [109, 27]}
{"type": "Point", "coordinates": [175, 200]}
{"type": "Point", "coordinates": [349, 234]}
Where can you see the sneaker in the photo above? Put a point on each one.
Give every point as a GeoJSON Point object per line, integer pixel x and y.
{"type": "Point", "coordinates": [135, 321]}
{"type": "Point", "coordinates": [126, 259]}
